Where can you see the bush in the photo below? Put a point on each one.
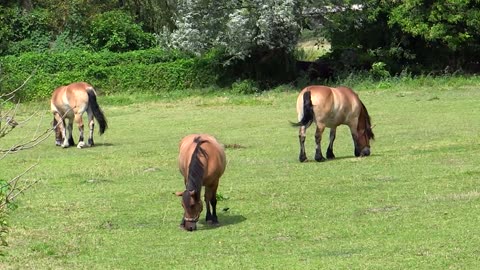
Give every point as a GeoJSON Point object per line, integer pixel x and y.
{"type": "Point", "coordinates": [117, 32]}
{"type": "Point", "coordinates": [245, 87]}
{"type": "Point", "coordinates": [378, 70]}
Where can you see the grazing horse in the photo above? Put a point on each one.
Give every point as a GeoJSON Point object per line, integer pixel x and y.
{"type": "Point", "coordinates": [331, 107]}
{"type": "Point", "coordinates": [70, 102]}
{"type": "Point", "coordinates": [201, 162]}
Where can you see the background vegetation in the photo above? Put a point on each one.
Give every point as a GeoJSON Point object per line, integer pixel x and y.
{"type": "Point", "coordinates": [232, 40]}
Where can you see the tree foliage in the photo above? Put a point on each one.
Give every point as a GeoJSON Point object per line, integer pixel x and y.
{"type": "Point", "coordinates": [255, 35]}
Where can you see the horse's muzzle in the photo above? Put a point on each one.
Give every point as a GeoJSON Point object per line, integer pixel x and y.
{"type": "Point", "coordinates": [190, 226]}
{"type": "Point", "coordinates": [365, 152]}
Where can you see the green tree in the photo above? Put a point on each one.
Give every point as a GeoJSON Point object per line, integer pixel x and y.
{"type": "Point", "coordinates": [116, 31]}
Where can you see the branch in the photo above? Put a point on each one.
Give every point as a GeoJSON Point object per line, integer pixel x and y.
{"type": "Point", "coordinates": [30, 144]}
{"type": "Point", "coordinates": [34, 141]}
{"type": "Point", "coordinates": [10, 95]}
{"type": "Point", "coordinates": [10, 196]}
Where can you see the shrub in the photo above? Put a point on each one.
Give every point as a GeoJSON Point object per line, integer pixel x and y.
{"type": "Point", "coordinates": [378, 70]}
{"type": "Point", "coordinates": [117, 32]}
{"type": "Point", "coordinates": [245, 87]}
{"type": "Point", "coordinates": [151, 71]}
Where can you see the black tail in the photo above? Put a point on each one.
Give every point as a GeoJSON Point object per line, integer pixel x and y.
{"type": "Point", "coordinates": [97, 112]}
{"type": "Point", "coordinates": [196, 168]}
{"type": "Point", "coordinates": [307, 118]}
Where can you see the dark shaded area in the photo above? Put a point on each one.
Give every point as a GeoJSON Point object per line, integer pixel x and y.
{"type": "Point", "coordinates": [224, 220]}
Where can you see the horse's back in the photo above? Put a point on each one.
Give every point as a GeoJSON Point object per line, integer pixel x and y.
{"type": "Point", "coordinates": [215, 161]}
{"type": "Point", "coordinates": [332, 106]}
{"type": "Point", "coordinates": [72, 97]}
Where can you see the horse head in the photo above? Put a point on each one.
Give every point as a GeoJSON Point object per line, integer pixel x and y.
{"type": "Point", "coordinates": [364, 133]}
{"type": "Point", "coordinates": [363, 141]}
{"type": "Point", "coordinates": [192, 206]}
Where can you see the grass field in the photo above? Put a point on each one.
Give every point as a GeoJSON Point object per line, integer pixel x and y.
{"type": "Point", "coordinates": [413, 204]}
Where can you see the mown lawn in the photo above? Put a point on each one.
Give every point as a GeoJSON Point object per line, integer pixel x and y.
{"type": "Point", "coordinates": [413, 204]}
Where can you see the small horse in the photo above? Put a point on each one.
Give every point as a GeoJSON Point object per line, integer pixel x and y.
{"type": "Point", "coordinates": [201, 162]}
{"type": "Point", "coordinates": [70, 102]}
{"type": "Point", "coordinates": [331, 107]}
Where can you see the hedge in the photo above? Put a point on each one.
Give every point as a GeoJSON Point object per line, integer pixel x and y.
{"type": "Point", "coordinates": [149, 71]}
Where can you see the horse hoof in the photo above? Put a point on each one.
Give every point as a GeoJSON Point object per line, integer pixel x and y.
{"type": "Point", "coordinates": [65, 145]}
{"type": "Point", "coordinates": [320, 159]}
{"type": "Point", "coordinates": [302, 158]}
{"type": "Point", "coordinates": [80, 145]}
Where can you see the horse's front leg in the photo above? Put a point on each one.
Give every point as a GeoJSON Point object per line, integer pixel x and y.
{"type": "Point", "coordinates": [318, 140]}
{"type": "Point", "coordinates": [356, 150]}
{"type": "Point", "coordinates": [333, 132]}
{"type": "Point", "coordinates": [301, 136]}
{"type": "Point", "coordinates": [211, 200]}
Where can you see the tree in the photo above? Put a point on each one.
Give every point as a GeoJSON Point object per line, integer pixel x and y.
{"type": "Point", "coordinates": [418, 35]}
{"type": "Point", "coordinates": [239, 27]}
{"type": "Point", "coordinates": [256, 38]}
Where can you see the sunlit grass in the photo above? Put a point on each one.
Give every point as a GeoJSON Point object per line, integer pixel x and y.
{"type": "Point", "coordinates": [413, 204]}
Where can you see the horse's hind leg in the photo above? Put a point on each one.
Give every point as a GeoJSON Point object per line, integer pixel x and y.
{"type": "Point", "coordinates": [318, 140]}
{"type": "Point", "coordinates": [333, 132]}
{"type": "Point", "coordinates": [91, 125]}
{"type": "Point", "coordinates": [79, 121]}
{"type": "Point", "coordinates": [67, 133]}
{"type": "Point", "coordinates": [301, 137]}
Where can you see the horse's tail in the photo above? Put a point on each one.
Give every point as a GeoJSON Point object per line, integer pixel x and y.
{"type": "Point", "coordinates": [97, 112]}
{"type": "Point", "coordinates": [307, 113]}
{"type": "Point", "coordinates": [196, 169]}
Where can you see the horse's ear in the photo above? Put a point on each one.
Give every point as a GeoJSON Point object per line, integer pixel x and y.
{"type": "Point", "coordinates": [179, 193]}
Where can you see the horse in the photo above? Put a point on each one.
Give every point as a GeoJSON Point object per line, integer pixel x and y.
{"type": "Point", "coordinates": [331, 107]}
{"type": "Point", "coordinates": [70, 102]}
{"type": "Point", "coordinates": [202, 162]}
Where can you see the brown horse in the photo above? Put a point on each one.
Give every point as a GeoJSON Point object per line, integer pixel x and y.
{"type": "Point", "coordinates": [201, 162]}
{"type": "Point", "coordinates": [70, 102]}
{"type": "Point", "coordinates": [331, 107]}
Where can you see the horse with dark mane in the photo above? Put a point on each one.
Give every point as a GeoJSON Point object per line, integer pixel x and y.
{"type": "Point", "coordinates": [201, 162]}
{"type": "Point", "coordinates": [70, 102]}
{"type": "Point", "coordinates": [331, 107]}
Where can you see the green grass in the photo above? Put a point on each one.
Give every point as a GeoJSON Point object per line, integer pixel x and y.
{"type": "Point", "coordinates": [311, 46]}
{"type": "Point", "coordinates": [413, 204]}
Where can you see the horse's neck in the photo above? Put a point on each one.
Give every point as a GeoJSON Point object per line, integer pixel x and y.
{"type": "Point", "coordinates": [195, 184]}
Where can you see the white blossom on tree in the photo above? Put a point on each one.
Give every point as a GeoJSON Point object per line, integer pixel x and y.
{"type": "Point", "coordinates": [239, 27]}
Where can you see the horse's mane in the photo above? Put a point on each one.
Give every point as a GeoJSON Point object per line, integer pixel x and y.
{"type": "Point", "coordinates": [196, 168]}
{"type": "Point", "coordinates": [368, 124]}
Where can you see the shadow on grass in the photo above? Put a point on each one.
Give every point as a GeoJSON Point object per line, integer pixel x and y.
{"type": "Point", "coordinates": [224, 220]}
{"type": "Point", "coordinates": [104, 144]}
{"type": "Point", "coordinates": [312, 160]}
